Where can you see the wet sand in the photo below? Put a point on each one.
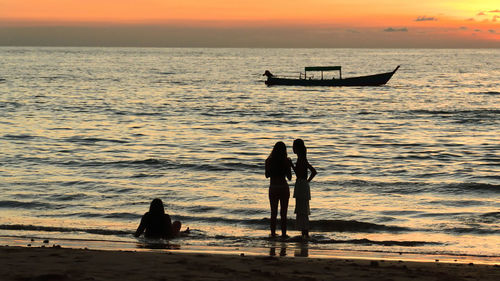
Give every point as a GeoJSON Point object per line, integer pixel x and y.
{"type": "Point", "coordinates": [54, 263]}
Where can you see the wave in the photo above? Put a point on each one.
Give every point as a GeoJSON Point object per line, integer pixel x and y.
{"type": "Point", "coordinates": [26, 205]}
{"type": "Point", "coordinates": [378, 187]}
{"type": "Point", "coordinates": [196, 234]}
{"type": "Point", "coordinates": [64, 229]}
{"type": "Point", "coordinates": [492, 217]}
{"type": "Point", "coordinates": [489, 116]}
{"type": "Point", "coordinates": [471, 186]}
{"type": "Point", "coordinates": [68, 197]}
{"type": "Point", "coordinates": [353, 226]}
{"type": "Point", "coordinates": [413, 187]}
{"type": "Point", "coordinates": [137, 113]}
{"type": "Point", "coordinates": [456, 203]}
{"type": "Point", "coordinates": [492, 214]}
{"type": "Point", "coordinates": [490, 160]}
{"type": "Point", "coordinates": [91, 140]}
{"type": "Point", "coordinates": [470, 230]}
{"type": "Point", "coordinates": [19, 137]}
{"type": "Point", "coordinates": [146, 163]}
{"type": "Point", "coordinates": [316, 225]}
{"type": "Point", "coordinates": [122, 215]}
{"type": "Point", "coordinates": [455, 112]}
{"type": "Point", "coordinates": [365, 241]}
{"type": "Point", "coordinates": [201, 209]}
{"type": "Point", "coordinates": [494, 93]}
{"type": "Point", "coordinates": [10, 104]}
{"type": "Point", "coordinates": [319, 239]}
{"type": "Point", "coordinates": [167, 164]}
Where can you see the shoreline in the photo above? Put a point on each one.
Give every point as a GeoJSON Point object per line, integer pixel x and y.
{"type": "Point", "coordinates": [58, 263]}
{"type": "Point", "coordinates": [274, 249]}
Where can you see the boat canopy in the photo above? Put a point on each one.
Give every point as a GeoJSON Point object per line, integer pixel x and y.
{"type": "Point", "coordinates": [322, 68]}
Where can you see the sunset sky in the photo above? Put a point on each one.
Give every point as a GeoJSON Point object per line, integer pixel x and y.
{"type": "Point", "coordinates": [256, 23]}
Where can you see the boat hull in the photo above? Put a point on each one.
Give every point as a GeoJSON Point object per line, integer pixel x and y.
{"type": "Point", "coordinates": [369, 80]}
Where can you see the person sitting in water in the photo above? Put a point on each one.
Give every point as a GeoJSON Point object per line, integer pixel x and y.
{"type": "Point", "coordinates": [157, 224]}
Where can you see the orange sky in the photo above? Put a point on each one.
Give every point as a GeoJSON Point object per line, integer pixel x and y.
{"type": "Point", "coordinates": [470, 20]}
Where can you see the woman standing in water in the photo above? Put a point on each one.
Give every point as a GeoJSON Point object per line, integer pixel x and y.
{"type": "Point", "coordinates": [278, 169]}
{"type": "Point", "coordinates": [302, 192]}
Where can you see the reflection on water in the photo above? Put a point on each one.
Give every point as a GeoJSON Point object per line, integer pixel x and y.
{"type": "Point", "coordinates": [281, 247]}
{"type": "Point", "coordinates": [155, 244]}
{"type": "Point", "coordinates": [301, 249]}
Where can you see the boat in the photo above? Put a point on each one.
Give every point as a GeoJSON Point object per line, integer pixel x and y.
{"type": "Point", "coordinates": [304, 80]}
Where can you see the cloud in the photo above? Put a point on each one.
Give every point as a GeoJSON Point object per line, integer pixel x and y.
{"type": "Point", "coordinates": [481, 14]}
{"type": "Point", "coordinates": [492, 31]}
{"type": "Point", "coordinates": [424, 18]}
{"type": "Point", "coordinates": [390, 29]}
{"type": "Point", "coordinates": [470, 19]}
{"type": "Point", "coordinates": [463, 27]}
{"type": "Point", "coordinates": [494, 11]}
{"type": "Point", "coordinates": [477, 30]}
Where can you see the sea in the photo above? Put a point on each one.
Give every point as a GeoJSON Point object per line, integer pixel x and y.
{"type": "Point", "coordinates": [89, 136]}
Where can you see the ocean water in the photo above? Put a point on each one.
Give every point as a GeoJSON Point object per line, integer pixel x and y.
{"type": "Point", "coordinates": [89, 136]}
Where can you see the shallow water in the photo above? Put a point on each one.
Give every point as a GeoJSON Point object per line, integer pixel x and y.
{"type": "Point", "coordinates": [89, 136]}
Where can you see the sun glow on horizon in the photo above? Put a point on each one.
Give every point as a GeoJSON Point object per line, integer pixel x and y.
{"type": "Point", "coordinates": [227, 10]}
{"type": "Point", "coordinates": [468, 19]}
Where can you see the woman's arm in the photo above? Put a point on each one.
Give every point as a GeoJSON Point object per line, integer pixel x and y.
{"type": "Point", "coordinates": [141, 227]}
{"type": "Point", "coordinates": [313, 172]}
{"type": "Point", "coordinates": [288, 169]}
{"type": "Point", "coordinates": [168, 227]}
{"type": "Point", "coordinates": [293, 166]}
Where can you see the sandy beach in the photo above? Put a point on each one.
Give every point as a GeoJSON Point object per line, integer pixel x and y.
{"type": "Point", "coordinates": [55, 263]}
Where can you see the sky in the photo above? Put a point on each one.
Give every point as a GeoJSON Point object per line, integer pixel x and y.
{"type": "Point", "coordinates": [256, 23]}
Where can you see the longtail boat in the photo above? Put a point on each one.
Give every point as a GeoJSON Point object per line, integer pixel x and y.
{"type": "Point", "coordinates": [304, 80]}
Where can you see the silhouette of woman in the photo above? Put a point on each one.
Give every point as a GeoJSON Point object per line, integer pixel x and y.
{"type": "Point", "coordinates": [278, 169]}
{"type": "Point", "coordinates": [156, 223]}
{"type": "Point", "coordinates": [301, 191]}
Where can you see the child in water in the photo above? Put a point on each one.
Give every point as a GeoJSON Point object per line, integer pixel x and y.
{"type": "Point", "coordinates": [302, 192]}
{"type": "Point", "coordinates": [157, 224]}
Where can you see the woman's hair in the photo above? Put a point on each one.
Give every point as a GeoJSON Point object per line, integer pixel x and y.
{"type": "Point", "coordinates": [299, 147]}
{"type": "Point", "coordinates": [278, 159]}
{"type": "Point", "coordinates": [156, 207]}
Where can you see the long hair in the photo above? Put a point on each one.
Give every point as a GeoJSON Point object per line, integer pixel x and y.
{"type": "Point", "coordinates": [277, 160]}
{"type": "Point", "coordinates": [299, 148]}
{"type": "Point", "coordinates": [156, 207]}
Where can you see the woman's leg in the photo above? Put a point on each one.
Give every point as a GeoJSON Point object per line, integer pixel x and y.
{"type": "Point", "coordinates": [284, 197]}
{"type": "Point", "coordinates": [273, 200]}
